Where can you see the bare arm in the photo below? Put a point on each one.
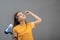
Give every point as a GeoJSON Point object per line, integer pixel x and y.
{"type": "Point", "coordinates": [38, 19]}
{"type": "Point", "coordinates": [14, 35]}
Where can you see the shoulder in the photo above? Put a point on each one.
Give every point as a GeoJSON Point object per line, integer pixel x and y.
{"type": "Point", "coordinates": [30, 22]}
{"type": "Point", "coordinates": [15, 27]}
{"type": "Point", "coordinates": [33, 24]}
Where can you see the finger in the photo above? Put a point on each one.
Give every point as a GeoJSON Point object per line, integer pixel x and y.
{"type": "Point", "coordinates": [26, 11]}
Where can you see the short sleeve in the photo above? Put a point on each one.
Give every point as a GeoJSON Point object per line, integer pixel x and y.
{"type": "Point", "coordinates": [33, 24]}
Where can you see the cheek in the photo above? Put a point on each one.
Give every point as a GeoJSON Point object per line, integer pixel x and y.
{"type": "Point", "coordinates": [20, 18]}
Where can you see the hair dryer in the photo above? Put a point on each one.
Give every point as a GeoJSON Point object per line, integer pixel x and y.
{"type": "Point", "coordinates": [8, 30]}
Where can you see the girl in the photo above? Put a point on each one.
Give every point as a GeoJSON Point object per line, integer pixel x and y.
{"type": "Point", "coordinates": [22, 30]}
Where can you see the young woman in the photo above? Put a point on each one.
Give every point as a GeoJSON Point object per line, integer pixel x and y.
{"type": "Point", "coordinates": [22, 30]}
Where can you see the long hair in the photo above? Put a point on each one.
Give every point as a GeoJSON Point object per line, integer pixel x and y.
{"type": "Point", "coordinates": [16, 22]}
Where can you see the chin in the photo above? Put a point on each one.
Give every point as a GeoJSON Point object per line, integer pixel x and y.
{"type": "Point", "coordinates": [24, 18]}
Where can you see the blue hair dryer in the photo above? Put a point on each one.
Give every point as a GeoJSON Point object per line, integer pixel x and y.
{"type": "Point", "coordinates": [8, 30]}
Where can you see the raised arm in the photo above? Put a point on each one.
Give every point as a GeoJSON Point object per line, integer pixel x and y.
{"type": "Point", "coordinates": [38, 19]}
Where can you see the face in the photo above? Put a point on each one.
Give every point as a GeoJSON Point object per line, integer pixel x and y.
{"type": "Point", "coordinates": [20, 16]}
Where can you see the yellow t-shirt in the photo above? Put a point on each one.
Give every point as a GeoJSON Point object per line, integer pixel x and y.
{"type": "Point", "coordinates": [24, 32]}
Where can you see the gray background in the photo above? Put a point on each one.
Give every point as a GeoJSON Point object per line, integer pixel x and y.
{"type": "Point", "coordinates": [48, 10]}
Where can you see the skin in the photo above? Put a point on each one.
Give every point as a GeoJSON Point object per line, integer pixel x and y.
{"type": "Point", "coordinates": [21, 18]}
{"type": "Point", "coordinates": [38, 19]}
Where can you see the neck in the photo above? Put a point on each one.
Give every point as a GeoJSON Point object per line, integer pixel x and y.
{"type": "Point", "coordinates": [22, 22]}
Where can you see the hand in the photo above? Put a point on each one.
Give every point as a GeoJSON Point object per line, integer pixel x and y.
{"type": "Point", "coordinates": [28, 12]}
